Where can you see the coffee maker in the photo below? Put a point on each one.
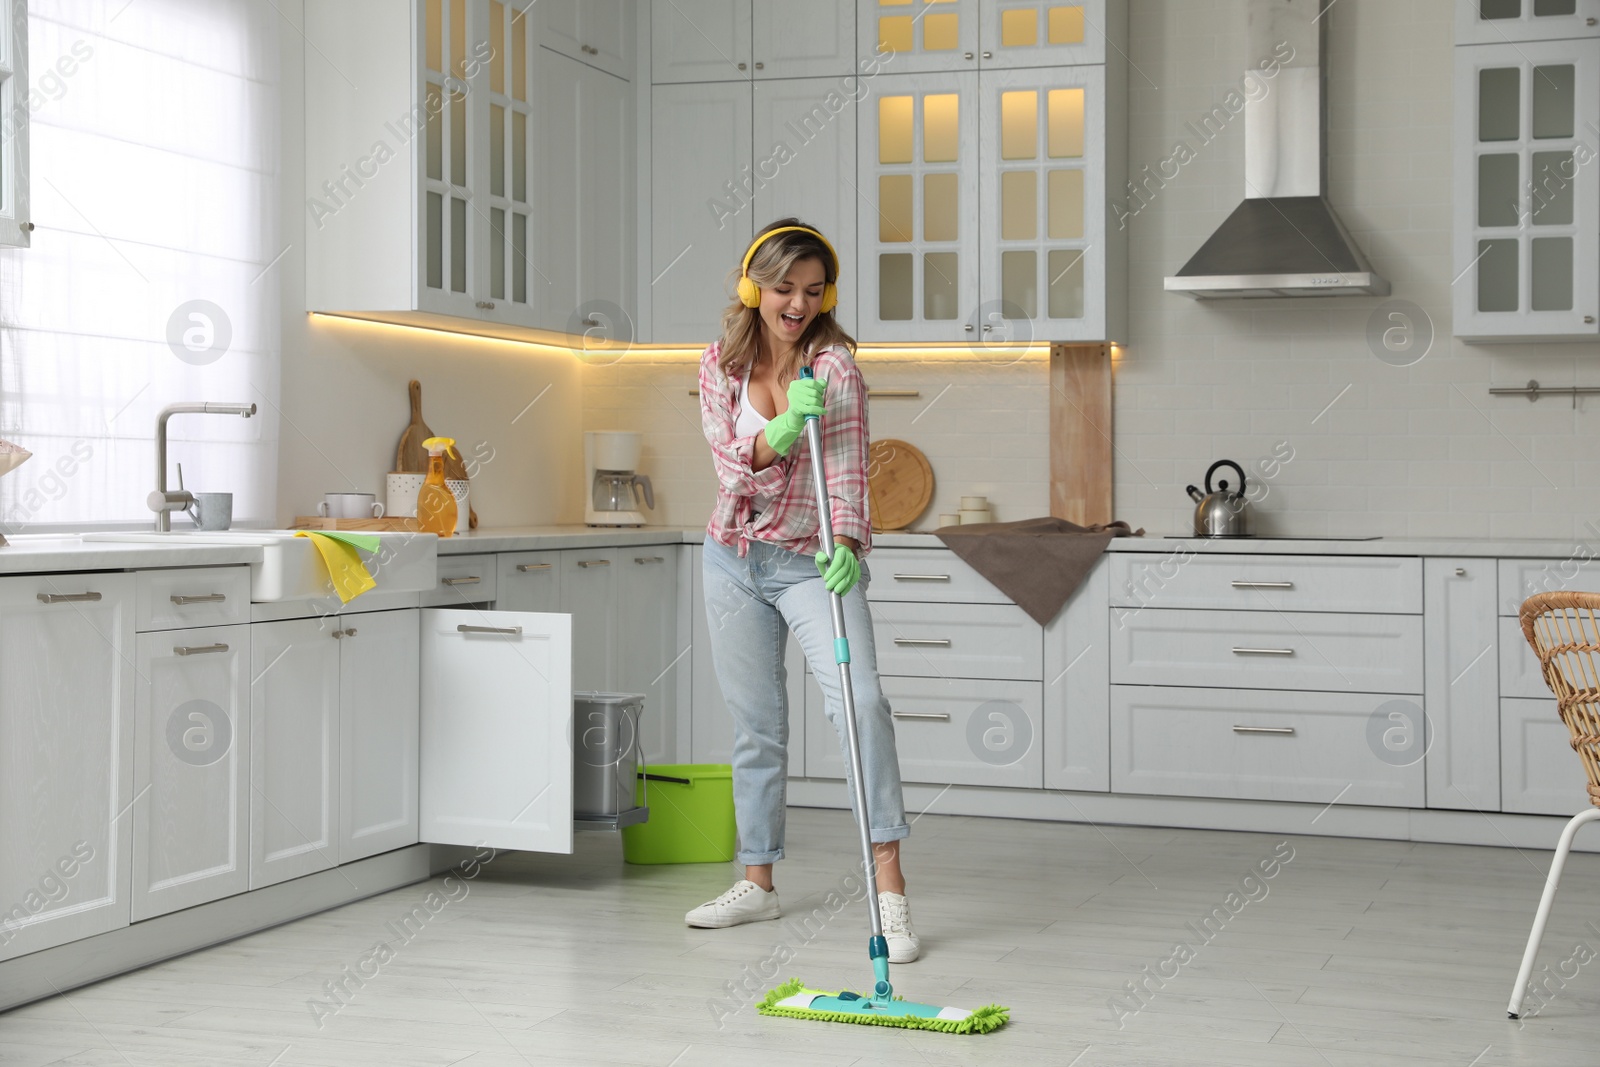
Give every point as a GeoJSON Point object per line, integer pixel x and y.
{"type": "Point", "coordinates": [610, 458]}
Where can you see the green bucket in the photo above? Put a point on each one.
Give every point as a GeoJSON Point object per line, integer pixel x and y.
{"type": "Point", "coordinates": [691, 817]}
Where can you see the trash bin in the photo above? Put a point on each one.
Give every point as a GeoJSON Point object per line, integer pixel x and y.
{"type": "Point", "coordinates": [605, 752]}
{"type": "Point", "coordinates": [691, 815]}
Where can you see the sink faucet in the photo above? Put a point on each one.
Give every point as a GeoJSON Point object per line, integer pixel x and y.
{"type": "Point", "coordinates": [162, 502]}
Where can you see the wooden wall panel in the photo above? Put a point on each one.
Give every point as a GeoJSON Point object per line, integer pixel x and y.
{"type": "Point", "coordinates": [1080, 433]}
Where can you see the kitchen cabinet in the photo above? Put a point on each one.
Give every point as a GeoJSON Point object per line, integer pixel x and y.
{"type": "Point", "coordinates": [496, 722]}
{"type": "Point", "coordinates": [740, 40]}
{"type": "Point", "coordinates": [1461, 686]}
{"type": "Point", "coordinates": [1527, 207]}
{"type": "Point", "coordinates": [591, 585]}
{"type": "Point", "coordinates": [528, 581]}
{"type": "Point", "coordinates": [1504, 21]}
{"type": "Point", "coordinates": [991, 34]}
{"type": "Point", "coordinates": [294, 747]}
{"type": "Point", "coordinates": [378, 727]}
{"type": "Point", "coordinates": [67, 699]}
{"type": "Point", "coordinates": [464, 580]}
{"type": "Point", "coordinates": [650, 653]}
{"type": "Point", "coordinates": [191, 768]}
{"type": "Point", "coordinates": [1077, 686]}
{"type": "Point", "coordinates": [598, 33]}
{"type": "Point", "coordinates": [428, 149]}
{"type": "Point", "coordinates": [187, 597]}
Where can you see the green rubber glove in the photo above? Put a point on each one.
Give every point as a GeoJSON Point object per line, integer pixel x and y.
{"type": "Point", "coordinates": [805, 398]}
{"type": "Point", "coordinates": [842, 574]}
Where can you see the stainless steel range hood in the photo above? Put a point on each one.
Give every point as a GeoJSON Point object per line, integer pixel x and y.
{"type": "Point", "coordinates": [1284, 239]}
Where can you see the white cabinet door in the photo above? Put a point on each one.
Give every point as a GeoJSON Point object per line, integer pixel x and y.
{"type": "Point", "coordinates": [701, 218]}
{"type": "Point", "coordinates": [1043, 33]}
{"type": "Point", "coordinates": [294, 748]}
{"type": "Point", "coordinates": [803, 38]}
{"type": "Point", "coordinates": [917, 225]}
{"type": "Point", "coordinates": [939, 37]}
{"type": "Point", "coordinates": [497, 729]}
{"type": "Point", "coordinates": [589, 592]}
{"type": "Point", "coordinates": [528, 581]}
{"type": "Point", "coordinates": [699, 40]}
{"type": "Point", "coordinates": [507, 143]}
{"type": "Point", "coordinates": [378, 724]}
{"type": "Point", "coordinates": [66, 757]}
{"type": "Point", "coordinates": [1539, 772]}
{"type": "Point", "coordinates": [191, 767]}
{"type": "Point", "coordinates": [1461, 683]}
{"type": "Point", "coordinates": [1501, 21]}
{"type": "Point", "coordinates": [1077, 680]}
{"type": "Point", "coordinates": [1527, 207]}
{"type": "Point", "coordinates": [649, 658]}
{"type": "Point", "coordinates": [585, 253]}
{"type": "Point", "coordinates": [1044, 243]}
{"type": "Point", "coordinates": [596, 32]}
{"type": "Point", "coordinates": [805, 145]}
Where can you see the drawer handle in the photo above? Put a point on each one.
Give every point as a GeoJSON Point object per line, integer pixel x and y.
{"type": "Point", "coordinates": [1237, 584]}
{"type": "Point", "coordinates": [922, 577]}
{"type": "Point", "coordinates": [67, 598]}
{"type": "Point", "coordinates": [922, 716]}
{"type": "Point", "coordinates": [649, 559]}
{"type": "Point", "coordinates": [341, 634]}
{"type": "Point", "coordinates": [594, 563]}
{"type": "Point", "coordinates": [1284, 730]}
{"type": "Point", "coordinates": [182, 599]}
{"type": "Point", "coordinates": [471, 579]}
{"type": "Point", "coordinates": [923, 642]}
{"type": "Point", "coordinates": [199, 650]}
{"type": "Point", "coordinates": [1263, 652]}
{"type": "Point", "coordinates": [514, 631]}
{"type": "Point", "coordinates": [524, 568]}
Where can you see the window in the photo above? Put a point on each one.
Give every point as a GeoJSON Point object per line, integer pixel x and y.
{"type": "Point", "coordinates": [153, 275]}
{"type": "Point", "coordinates": [15, 101]}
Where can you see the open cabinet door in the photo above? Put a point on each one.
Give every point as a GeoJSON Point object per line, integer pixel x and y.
{"type": "Point", "coordinates": [496, 758]}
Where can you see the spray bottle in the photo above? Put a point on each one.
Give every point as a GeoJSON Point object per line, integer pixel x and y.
{"type": "Point", "coordinates": [436, 505]}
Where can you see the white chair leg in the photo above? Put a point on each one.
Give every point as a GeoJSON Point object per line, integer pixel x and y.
{"type": "Point", "coordinates": [1514, 1009]}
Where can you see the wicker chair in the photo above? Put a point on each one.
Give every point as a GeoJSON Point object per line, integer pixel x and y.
{"type": "Point", "coordinates": [1564, 630]}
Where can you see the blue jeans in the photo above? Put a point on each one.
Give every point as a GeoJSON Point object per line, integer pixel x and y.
{"type": "Point", "coordinates": [752, 604]}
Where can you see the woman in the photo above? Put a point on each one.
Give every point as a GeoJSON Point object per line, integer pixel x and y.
{"type": "Point", "coordinates": [765, 573]}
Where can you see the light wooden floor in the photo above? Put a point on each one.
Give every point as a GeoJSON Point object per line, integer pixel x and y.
{"type": "Point", "coordinates": [1361, 953]}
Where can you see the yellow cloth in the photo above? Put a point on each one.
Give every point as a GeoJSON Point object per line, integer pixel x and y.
{"type": "Point", "coordinates": [349, 575]}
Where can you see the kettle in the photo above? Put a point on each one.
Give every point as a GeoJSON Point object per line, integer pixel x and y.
{"type": "Point", "coordinates": [1221, 512]}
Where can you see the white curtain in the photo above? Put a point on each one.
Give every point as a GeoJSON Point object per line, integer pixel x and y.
{"type": "Point", "coordinates": [154, 272]}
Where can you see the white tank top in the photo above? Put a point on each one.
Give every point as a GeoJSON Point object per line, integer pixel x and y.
{"type": "Point", "coordinates": [749, 421]}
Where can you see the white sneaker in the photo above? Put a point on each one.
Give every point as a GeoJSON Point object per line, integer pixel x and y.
{"type": "Point", "coordinates": [904, 944]}
{"type": "Point", "coordinates": [746, 902]}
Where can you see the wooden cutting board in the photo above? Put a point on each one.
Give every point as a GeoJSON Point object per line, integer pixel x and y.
{"type": "Point", "coordinates": [379, 525]}
{"type": "Point", "coordinates": [899, 483]}
{"type": "Point", "coordinates": [411, 458]}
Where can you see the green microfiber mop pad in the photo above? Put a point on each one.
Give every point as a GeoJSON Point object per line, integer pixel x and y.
{"type": "Point", "coordinates": [790, 999]}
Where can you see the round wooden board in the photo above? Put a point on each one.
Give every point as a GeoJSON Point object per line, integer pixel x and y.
{"type": "Point", "coordinates": [899, 483]}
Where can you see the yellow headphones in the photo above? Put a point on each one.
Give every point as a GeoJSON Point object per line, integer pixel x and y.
{"type": "Point", "coordinates": [750, 292]}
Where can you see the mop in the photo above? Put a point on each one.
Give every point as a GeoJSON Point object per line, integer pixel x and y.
{"type": "Point", "coordinates": [882, 1007]}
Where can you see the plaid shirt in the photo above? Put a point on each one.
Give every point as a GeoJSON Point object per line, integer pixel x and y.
{"type": "Point", "coordinates": [783, 492]}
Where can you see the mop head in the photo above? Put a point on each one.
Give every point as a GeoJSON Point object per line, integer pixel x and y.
{"type": "Point", "coordinates": [797, 1002]}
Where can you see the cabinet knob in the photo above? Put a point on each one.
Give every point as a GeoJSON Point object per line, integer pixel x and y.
{"type": "Point", "coordinates": [987, 327]}
{"type": "Point", "coordinates": [1461, 572]}
{"type": "Point", "coordinates": [1586, 22]}
{"type": "Point", "coordinates": [988, 55]}
{"type": "Point", "coordinates": [742, 66]}
{"type": "Point", "coordinates": [591, 322]}
{"type": "Point", "coordinates": [761, 66]}
{"type": "Point", "coordinates": [968, 327]}
{"type": "Point", "coordinates": [591, 50]}
{"type": "Point", "coordinates": [1588, 320]}
{"type": "Point", "coordinates": [486, 305]}
{"type": "Point", "coordinates": [966, 55]}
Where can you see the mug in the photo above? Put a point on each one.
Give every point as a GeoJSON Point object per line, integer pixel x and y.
{"type": "Point", "coordinates": [211, 511]}
{"type": "Point", "coordinates": [349, 506]}
{"type": "Point", "coordinates": [403, 489]}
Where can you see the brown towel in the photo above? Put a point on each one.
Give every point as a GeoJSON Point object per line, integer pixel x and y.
{"type": "Point", "coordinates": [1038, 563]}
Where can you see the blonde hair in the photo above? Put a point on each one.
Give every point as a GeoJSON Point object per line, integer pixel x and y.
{"type": "Point", "coordinates": [741, 326]}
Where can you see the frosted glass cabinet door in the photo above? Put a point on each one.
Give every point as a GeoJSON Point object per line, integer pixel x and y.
{"type": "Point", "coordinates": [506, 107]}
{"type": "Point", "coordinates": [917, 245]}
{"type": "Point", "coordinates": [1527, 206]}
{"type": "Point", "coordinates": [1041, 33]}
{"type": "Point", "coordinates": [924, 35]}
{"type": "Point", "coordinates": [699, 41]}
{"type": "Point", "coordinates": [1044, 263]}
{"type": "Point", "coordinates": [451, 276]}
{"type": "Point", "coordinates": [1501, 21]}
{"type": "Point", "coordinates": [805, 137]}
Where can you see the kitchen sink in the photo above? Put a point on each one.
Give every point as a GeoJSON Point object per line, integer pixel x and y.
{"type": "Point", "coordinates": [292, 569]}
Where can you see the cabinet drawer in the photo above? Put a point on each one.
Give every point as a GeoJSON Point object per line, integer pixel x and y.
{"type": "Point", "coordinates": [925, 575]}
{"type": "Point", "coordinates": [528, 581]}
{"type": "Point", "coordinates": [1216, 743]}
{"type": "Point", "coordinates": [191, 596]}
{"type": "Point", "coordinates": [1522, 578]}
{"type": "Point", "coordinates": [1185, 578]}
{"type": "Point", "coordinates": [1269, 650]}
{"type": "Point", "coordinates": [1539, 772]}
{"type": "Point", "coordinates": [1520, 675]}
{"type": "Point", "coordinates": [462, 580]}
{"type": "Point", "coordinates": [958, 641]}
{"type": "Point", "coordinates": [947, 731]}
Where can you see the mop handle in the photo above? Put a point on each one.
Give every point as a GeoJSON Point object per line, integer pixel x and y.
{"type": "Point", "coordinates": [841, 648]}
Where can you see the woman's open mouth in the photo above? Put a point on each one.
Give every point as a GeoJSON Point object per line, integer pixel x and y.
{"type": "Point", "coordinates": [793, 322]}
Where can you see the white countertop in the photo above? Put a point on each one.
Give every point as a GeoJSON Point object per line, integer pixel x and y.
{"type": "Point", "coordinates": [54, 553]}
